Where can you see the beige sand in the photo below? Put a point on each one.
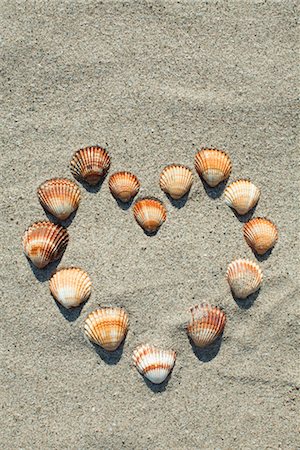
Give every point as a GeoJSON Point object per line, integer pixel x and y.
{"type": "Point", "coordinates": [152, 81]}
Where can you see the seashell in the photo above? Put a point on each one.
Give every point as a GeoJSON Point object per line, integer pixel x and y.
{"type": "Point", "coordinates": [155, 364]}
{"type": "Point", "coordinates": [241, 195]}
{"type": "Point", "coordinates": [59, 196]}
{"type": "Point", "coordinates": [107, 327]}
{"type": "Point", "coordinates": [44, 242]}
{"type": "Point", "coordinates": [261, 234]}
{"type": "Point", "coordinates": [90, 164]}
{"type": "Point", "coordinates": [206, 324]}
{"type": "Point", "coordinates": [124, 185]}
{"type": "Point", "coordinates": [213, 165]}
{"type": "Point", "coordinates": [149, 214]}
{"type": "Point", "coordinates": [244, 277]}
{"type": "Point", "coordinates": [176, 180]}
{"type": "Point", "coordinates": [70, 286]}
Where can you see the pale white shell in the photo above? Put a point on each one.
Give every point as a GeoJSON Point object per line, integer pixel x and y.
{"type": "Point", "coordinates": [176, 180]}
{"type": "Point", "coordinates": [241, 195]}
{"type": "Point", "coordinates": [154, 363]}
{"type": "Point", "coordinates": [244, 277]}
{"type": "Point", "coordinates": [70, 286]}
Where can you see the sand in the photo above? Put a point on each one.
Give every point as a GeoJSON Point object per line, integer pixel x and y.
{"type": "Point", "coordinates": [152, 81]}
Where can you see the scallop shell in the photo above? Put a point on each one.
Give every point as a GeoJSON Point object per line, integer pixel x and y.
{"type": "Point", "coordinates": [155, 364]}
{"type": "Point", "coordinates": [124, 185]}
{"type": "Point", "coordinates": [59, 196]}
{"type": "Point", "coordinates": [176, 180]}
{"type": "Point", "coordinates": [241, 195]}
{"type": "Point", "coordinates": [149, 214]}
{"type": "Point", "coordinates": [261, 234]}
{"type": "Point", "coordinates": [206, 324]}
{"type": "Point", "coordinates": [70, 286]}
{"type": "Point", "coordinates": [107, 327]}
{"type": "Point", "coordinates": [244, 277]}
{"type": "Point", "coordinates": [44, 242]}
{"type": "Point", "coordinates": [90, 164]}
{"type": "Point", "coordinates": [213, 165]}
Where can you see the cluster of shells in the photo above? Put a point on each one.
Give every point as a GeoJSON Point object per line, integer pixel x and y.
{"type": "Point", "coordinates": [45, 242]}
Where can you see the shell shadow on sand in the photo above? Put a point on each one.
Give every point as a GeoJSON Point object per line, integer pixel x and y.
{"type": "Point", "coordinates": [245, 217]}
{"type": "Point", "coordinates": [43, 275]}
{"type": "Point", "coordinates": [208, 353]}
{"type": "Point", "coordinates": [247, 302]}
{"type": "Point", "coordinates": [123, 205]}
{"type": "Point", "coordinates": [110, 358]}
{"type": "Point", "coordinates": [214, 192]}
{"type": "Point", "coordinates": [156, 388]}
{"type": "Point", "coordinates": [71, 314]}
{"type": "Point", "coordinates": [92, 189]}
{"type": "Point", "coordinates": [180, 203]}
{"type": "Point", "coordinates": [64, 223]}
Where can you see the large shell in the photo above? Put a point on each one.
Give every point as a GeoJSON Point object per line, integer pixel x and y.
{"type": "Point", "coordinates": [244, 277]}
{"type": "Point", "coordinates": [90, 164]}
{"type": "Point", "coordinates": [154, 363]}
{"type": "Point", "coordinates": [59, 196]}
{"type": "Point", "coordinates": [176, 180]}
{"type": "Point", "coordinates": [241, 195]}
{"type": "Point", "coordinates": [213, 165]}
{"type": "Point", "coordinates": [124, 185]}
{"type": "Point", "coordinates": [149, 214]}
{"type": "Point", "coordinates": [107, 327]}
{"type": "Point", "coordinates": [70, 286]}
{"type": "Point", "coordinates": [261, 234]}
{"type": "Point", "coordinates": [44, 242]}
{"type": "Point", "coordinates": [206, 324]}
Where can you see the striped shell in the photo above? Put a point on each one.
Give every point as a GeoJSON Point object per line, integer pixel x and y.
{"type": "Point", "coordinates": [241, 195]}
{"type": "Point", "coordinates": [124, 186]}
{"type": "Point", "coordinates": [155, 364]}
{"type": "Point", "coordinates": [59, 196]}
{"type": "Point", "coordinates": [107, 327]}
{"type": "Point", "coordinates": [213, 165]}
{"type": "Point", "coordinates": [90, 164]}
{"type": "Point", "coordinates": [261, 234]}
{"type": "Point", "coordinates": [176, 180]}
{"type": "Point", "coordinates": [70, 286]}
{"type": "Point", "coordinates": [244, 277]}
{"type": "Point", "coordinates": [149, 214]}
{"type": "Point", "coordinates": [44, 242]}
{"type": "Point", "coordinates": [206, 324]}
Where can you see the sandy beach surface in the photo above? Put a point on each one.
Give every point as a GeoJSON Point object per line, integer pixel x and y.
{"type": "Point", "coordinates": [153, 82]}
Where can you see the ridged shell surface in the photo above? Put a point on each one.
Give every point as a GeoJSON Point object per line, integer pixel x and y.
{"type": "Point", "coordinates": [124, 185]}
{"type": "Point", "coordinates": [244, 277]}
{"type": "Point", "coordinates": [241, 195]}
{"type": "Point", "coordinates": [213, 165]}
{"type": "Point", "coordinates": [206, 324]}
{"type": "Point", "coordinates": [90, 164]}
{"type": "Point", "coordinates": [176, 180]}
{"type": "Point", "coordinates": [70, 286]}
{"type": "Point", "coordinates": [59, 196]}
{"type": "Point", "coordinates": [154, 363]}
{"type": "Point", "coordinates": [260, 234]}
{"type": "Point", "coordinates": [150, 214]}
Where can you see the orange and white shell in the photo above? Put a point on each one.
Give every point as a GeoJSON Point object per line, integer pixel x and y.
{"type": "Point", "coordinates": [90, 164]}
{"type": "Point", "coordinates": [59, 196]}
{"type": "Point", "coordinates": [206, 324]}
{"type": "Point", "coordinates": [124, 186]}
{"type": "Point", "coordinates": [154, 363]}
{"type": "Point", "coordinates": [176, 180]}
{"type": "Point", "coordinates": [150, 214]}
{"type": "Point", "coordinates": [241, 195]}
{"type": "Point", "coordinates": [260, 234]}
{"type": "Point", "coordinates": [107, 327]}
{"type": "Point", "coordinates": [213, 165]}
{"type": "Point", "coordinates": [44, 242]}
{"type": "Point", "coordinates": [70, 286]}
{"type": "Point", "coordinates": [244, 277]}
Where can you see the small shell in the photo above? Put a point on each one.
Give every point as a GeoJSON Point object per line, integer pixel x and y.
{"type": "Point", "coordinates": [154, 363]}
{"type": "Point", "coordinates": [244, 277]}
{"type": "Point", "coordinates": [261, 234]}
{"type": "Point", "coordinates": [59, 196]}
{"type": "Point", "coordinates": [70, 286]}
{"type": "Point", "coordinates": [213, 165]}
{"type": "Point", "coordinates": [90, 164]}
{"type": "Point", "coordinates": [149, 214]}
{"type": "Point", "coordinates": [44, 242]}
{"type": "Point", "coordinates": [241, 195]}
{"type": "Point", "coordinates": [124, 185]}
{"type": "Point", "coordinates": [206, 324]}
{"type": "Point", "coordinates": [176, 180]}
{"type": "Point", "coordinates": [107, 327]}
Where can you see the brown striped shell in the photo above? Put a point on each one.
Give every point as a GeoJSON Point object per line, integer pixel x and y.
{"type": "Point", "coordinates": [260, 234]}
{"type": "Point", "coordinates": [70, 286]}
{"type": "Point", "coordinates": [90, 164]}
{"type": "Point", "coordinates": [244, 277]}
{"type": "Point", "coordinates": [213, 165]}
{"type": "Point", "coordinates": [176, 180]}
{"type": "Point", "coordinates": [150, 214]}
{"type": "Point", "coordinates": [206, 324]}
{"type": "Point", "coordinates": [59, 196]}
{"type": "Point", "coordinates": [154, 363]}
{"type": "Point", "coordinates": [242, 195]}
{"type": "Point", "coordinates": [124, 185]}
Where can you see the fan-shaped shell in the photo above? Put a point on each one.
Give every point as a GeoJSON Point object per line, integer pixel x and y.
{"type": "Point", "coordinates": [241, 195]}
{"type": "Point", "coordinates": [206, 324]}
{"type": "Point", "coordinates": [44, 242]}
{"type": "Point", "coordinates": [59, 196]}
{"type": "Point", "coordinates": [107, 327]}
{"type": "Point", "coordinates": [70, 286]}
{"type": "Point", "coordinates": [149, 214]}
{"type": "Point", "coordinates": [154, 363]}
{"type": "Point", "coordinates": [213, 165]}
{"type": "Point", "coordinates": [260, 234]}
{"type": "Point", "coordinates": [244, 277]}
{"type": "Point", "coordinates": [176, 180]}
{"type": "Point", "coordinates": [90, 164]}
{"type": "Point", "coordinates": [124, 185]}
